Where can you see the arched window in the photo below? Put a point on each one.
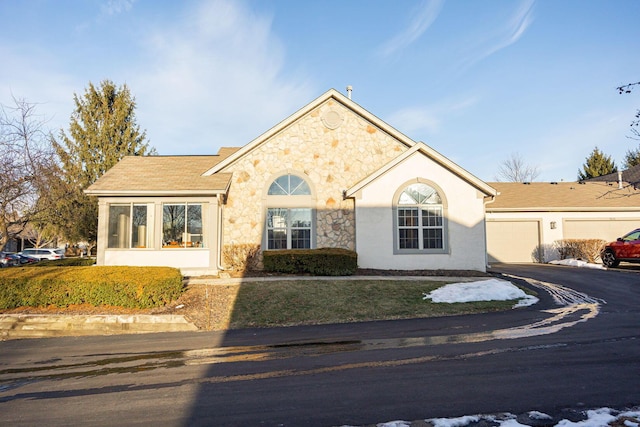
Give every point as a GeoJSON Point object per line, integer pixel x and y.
{"type": "Point", "coordinates": [420, 220]}
{"type": "Point", "coordinates": [290, 216]}
{"type": "Point", "coordinates": [289, 185]}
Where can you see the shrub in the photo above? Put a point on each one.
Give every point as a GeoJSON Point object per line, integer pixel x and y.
{"type": "Point", "coordinates": [319, 262]}
{"type": "Point", "coordinates": [583, 249]}
{"type": "Point", "coordinates": [130, 287]}
{"type": "Point", "coordinates": [241, 257]}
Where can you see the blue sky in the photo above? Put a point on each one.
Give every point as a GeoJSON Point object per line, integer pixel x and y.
{"type": "Point", "coordinates": [475, 80]}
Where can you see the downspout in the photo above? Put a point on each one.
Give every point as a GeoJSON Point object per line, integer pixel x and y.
{"type": "Point", "coordinates": [220, 240]}
{"type": "Point", "coordinates": [487, 200]}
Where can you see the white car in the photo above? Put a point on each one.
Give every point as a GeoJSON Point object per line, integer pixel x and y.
{"type": "Point", "coordinates": [44, 253]}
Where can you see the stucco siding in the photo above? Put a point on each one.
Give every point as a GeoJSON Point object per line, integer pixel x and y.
{"type": "Point", "coordinates": [180, 258]}
{"type": "Point", "coordinates": [464, 212]}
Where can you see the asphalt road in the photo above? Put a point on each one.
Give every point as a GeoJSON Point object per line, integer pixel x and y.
{"type": "Point", "coordinates": [577, 348]}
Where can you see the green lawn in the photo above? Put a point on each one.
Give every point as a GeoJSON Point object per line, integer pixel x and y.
{"type": "Point", "coordinates": [262, 304]}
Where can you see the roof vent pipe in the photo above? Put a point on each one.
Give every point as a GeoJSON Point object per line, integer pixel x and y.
{"type": "Point", "coordinates": [619, 180]}
{"type": "Point", "coordinates": [349, 89]}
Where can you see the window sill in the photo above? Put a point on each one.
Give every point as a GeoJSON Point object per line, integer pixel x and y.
{"type": "Point", "coordinates": [420, 251]}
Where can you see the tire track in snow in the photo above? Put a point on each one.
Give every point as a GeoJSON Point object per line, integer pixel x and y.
{"type": "Point", "coordinates": [561, 295]}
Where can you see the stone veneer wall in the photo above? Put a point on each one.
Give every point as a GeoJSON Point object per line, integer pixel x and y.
{"type": "Point", "coordinates": [334, 147]}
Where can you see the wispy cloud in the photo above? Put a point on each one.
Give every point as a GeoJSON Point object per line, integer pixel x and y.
{"type": "Point", "coordinates": [425, 16]}
{"type": "Point", "coordinates": [505, 35]}
{"type": "Point", "coordinates": [218, 60]}
{"type": "Point", "coordinates": [115, 7]}
{"type": "Point", "coordinates": [428, 119]}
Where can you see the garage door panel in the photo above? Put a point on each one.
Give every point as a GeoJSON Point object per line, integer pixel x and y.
{"type": "Point", "coordinates": [513, 241]}
{"type": "Point", "coordinates": [605, 229]}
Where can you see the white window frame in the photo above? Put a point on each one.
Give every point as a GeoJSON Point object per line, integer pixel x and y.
{"type": "Point", "coordinates": [419, 226]}
{"type": "Point", "coordinates": [289, 198]}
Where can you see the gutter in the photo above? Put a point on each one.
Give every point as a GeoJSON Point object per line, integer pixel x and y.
{"type": "Point", "coordinates": [220, 240]}
{"type": "Point", "coordinates": [129, 193]}
{"type": "Point", "coordinates": [487, 200]}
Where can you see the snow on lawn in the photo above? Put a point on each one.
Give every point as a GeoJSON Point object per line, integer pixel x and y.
{"type": "Point", "coordinates": [577, 263]}
{"type": "Point", "coordinates": [484, 290]}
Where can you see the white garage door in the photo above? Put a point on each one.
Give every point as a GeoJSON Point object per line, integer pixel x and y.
{"type": "Point", "coordinates": [513, 241]}
{"type": "Point", "coordinates": [605, 229]}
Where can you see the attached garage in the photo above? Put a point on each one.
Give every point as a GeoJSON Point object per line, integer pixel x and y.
{"type": "Point", "coordinates": [525, 220]}
{"type": "Point", "coordinates": [513, 240]}
{"type": "Point", "coordinates": [607, 229]}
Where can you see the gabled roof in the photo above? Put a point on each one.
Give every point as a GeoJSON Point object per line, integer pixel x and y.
{"type": "Point", "coordinates": [424, 149]}
{"type": "Point", "coordinates": [630, 176]}
{"type": "Point", "coordinates": [563, 196]}
{"type": "Point", "coordinates": [163, 175]}
{"type": "Point", "coordinates": [331, 94]}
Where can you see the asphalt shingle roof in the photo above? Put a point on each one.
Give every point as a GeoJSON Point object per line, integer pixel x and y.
{"type": "Point", "coordinates": [631, 176]}
{"type": "Point", "coordinates": [543, 196]}
{"type": "Point", "coordinates": [163, 174]}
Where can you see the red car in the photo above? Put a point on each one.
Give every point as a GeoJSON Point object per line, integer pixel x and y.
{"type": "Point", "coordinates": [626, 248]}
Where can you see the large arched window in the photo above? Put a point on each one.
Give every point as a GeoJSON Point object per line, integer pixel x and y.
{"type": "Point", "coordinates": [420, 223]}
{"type": "Point", "coordinates": [290, 216]}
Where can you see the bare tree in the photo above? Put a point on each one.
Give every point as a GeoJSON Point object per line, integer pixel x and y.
{"type": "Point", "coordinates": [26, 162]}
{"type": "Point", "coordinates": [40, 235]}
{"type": "Point", "coordinates": [635, 124]}
{"type": "Point", "coordinates": [514, 169]}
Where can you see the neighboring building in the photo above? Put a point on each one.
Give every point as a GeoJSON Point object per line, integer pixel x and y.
{"type": "Point", "coordinates": [527, 218]}
{"type": "Point", "coordinates": [629, 177]}
{"type": "Point", "coordinates": [330, 175]}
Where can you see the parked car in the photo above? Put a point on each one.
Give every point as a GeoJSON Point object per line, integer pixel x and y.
{"type": "Point", "coordinates": [626, 248]}
{"type": "Point", "coordinates": [26, 259]}
{"type": "Point", "coordinates": [8, 260]}
{"type": "Point", "coordinates": [44, 253]}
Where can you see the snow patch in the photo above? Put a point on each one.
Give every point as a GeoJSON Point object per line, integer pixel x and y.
{"type": "Point", "coordinates": [578, 263]}
{"type": "Point", "coordinates": [535, 415]}
{"type": "Point", "coordinates": [594, 418]}
{"type": "Point", "coordinates": [483, 290]}
{"type": "Point", "coordinates": [454, 422]}
{"type": "Point", "coordinates": [395, 424]}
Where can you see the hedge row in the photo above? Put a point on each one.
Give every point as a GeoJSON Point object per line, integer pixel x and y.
{"type": "Point", "coordinates": [319, 262]}
{"type": "Point", "coordinates": [65, 262]}
{"type": "Point", "coordinates": [584, 249]}
{"type": "Point", "coordinates": [130, 287]}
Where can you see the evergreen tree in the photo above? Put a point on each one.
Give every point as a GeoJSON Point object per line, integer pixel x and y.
{"type": "Point", "coordinates": [632, 158]}
{"type": "Point", "coordinates": [597, 164]}
{"type": "Point", "coordinates": [102, 131]}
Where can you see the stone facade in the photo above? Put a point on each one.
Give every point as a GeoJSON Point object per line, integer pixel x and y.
{"type": "Point", "coordinates": [355, 166]}
{"type": "Point", "coordinates": [332, 148]}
